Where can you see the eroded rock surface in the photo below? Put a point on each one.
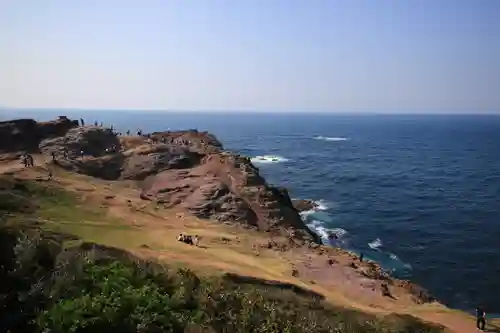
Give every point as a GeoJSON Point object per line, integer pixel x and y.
{"type": "Point", "coordinates": [107, 156]}
{"type": "Point", "coordinates": [24, 135]}
{"type": "Point", "coordinates": [187, 169]}
{"type": "Point", "coordinates": [228, 187]}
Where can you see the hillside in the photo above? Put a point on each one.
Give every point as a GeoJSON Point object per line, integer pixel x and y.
{"type": "Point", "coordinates": [129, 206]}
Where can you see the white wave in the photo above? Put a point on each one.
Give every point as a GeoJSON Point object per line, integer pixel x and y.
{"type": "Point", "coordinates": [306, 213]}
{"type": "Point", "coordinates": [393, 256]}
{"type": "Point", "coordinates": [330, 138]}
{"type": "Point", "coordinates": [377, 243]}
{"type": "Point", "coordinates": [320, 230]}
{"type": "Point", "coordinates": [265, 159]}
{"type": "Point", "coordinates": [339, 232]}
{"type": "Point", "coordinates": [321, 205]}
{"type": "Point", "coordinates": [323, 232]}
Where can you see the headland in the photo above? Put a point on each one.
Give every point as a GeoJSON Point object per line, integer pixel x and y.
{"type": "Point", "coordinates": [96, 190]}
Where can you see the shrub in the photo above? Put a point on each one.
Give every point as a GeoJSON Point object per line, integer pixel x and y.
{"type": "Point", "coordinates": [92, 288]}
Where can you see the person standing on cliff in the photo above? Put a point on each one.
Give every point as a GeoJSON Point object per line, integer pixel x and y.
{"type": "Point", "coordinates": [30, 160]}
{"type": "Point", "coordinates": [82, 122]}
{"type": "Point", "coordinates": [24, 160]}
{"type": "Point", "coordinates": [480, 318]}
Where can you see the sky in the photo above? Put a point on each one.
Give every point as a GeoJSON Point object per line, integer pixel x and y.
{"type": "Point", "coordinates": [252, 55]}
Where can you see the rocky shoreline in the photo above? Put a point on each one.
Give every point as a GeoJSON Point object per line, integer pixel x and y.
{"type": "Point", "coordinates": [189, 170]}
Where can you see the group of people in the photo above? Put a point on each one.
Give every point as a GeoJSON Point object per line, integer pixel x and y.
{"type": "Point", "coordinates": [27, 160]}
{"type": "Point", "coordinates": [112, 149]}
{"type": "Point", "coordinates": [139, 132]}
{"type": "Point", "coordinates": [65, 154]}
{"type": "Point", "coordinates": [189, 239]}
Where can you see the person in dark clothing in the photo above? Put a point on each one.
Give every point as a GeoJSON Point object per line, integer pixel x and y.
{"type": "Point", "coordinates": [361, 256]}
{"type": "Point", "coordinates": [24, 160]}
{"type": "Point", "coordinates": [480, 318]}
{"type": "Point", "coordinates": [53, 156]}
{"type": "Point", "coordinates": [82, 122]}
{"type": "Point", "coordinates": [31, 162]}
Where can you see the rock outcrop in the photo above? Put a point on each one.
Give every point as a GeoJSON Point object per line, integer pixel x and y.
{"type": "Point", "coordinates": [187, 169]}
{"type": "Point", "coordinates": [303, 205]}
{"type": "Point", "coordinates": [26, 134]}
{"type": "Point", "coordinates": [228, 187]}
{"type": "Point", "coordinates": [107, 156]}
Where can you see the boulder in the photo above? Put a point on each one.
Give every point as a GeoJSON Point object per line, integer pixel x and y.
{"type": "Point", "coordinates": [149, 160]}
{"type": "Point", "coordinates": [302, 205]}
{"type": "Point", "coordinates": [55, 128]}
{"type": "Point", "coordinates": [93, 141]}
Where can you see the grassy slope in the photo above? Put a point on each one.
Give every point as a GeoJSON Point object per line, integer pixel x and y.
{"type": "Point", "coordinates": [78, 213]}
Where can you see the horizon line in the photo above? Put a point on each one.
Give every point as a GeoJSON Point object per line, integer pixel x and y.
{"type": "Point", "coordinates": [260, 111]}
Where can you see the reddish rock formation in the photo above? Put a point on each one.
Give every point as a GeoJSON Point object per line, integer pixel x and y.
{"type": "Point", "coordinates": [188, 169]}
{"type": "Point", "coordinates": [26, 134]}
{"type": "Point", "coordinates": [228, 187]}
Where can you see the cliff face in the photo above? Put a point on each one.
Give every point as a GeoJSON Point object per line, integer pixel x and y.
{"type": "Point", "coordinates": [26, 134]}
{"type": "Point", "coordinates": [187, 169]}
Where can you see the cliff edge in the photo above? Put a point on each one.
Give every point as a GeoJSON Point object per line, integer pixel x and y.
{"type": "Point", "coordinates": [187, 169]}
{"type": "Point", "coordinates": [138, 193]}
{"type": "Point", "coordinates": [25, 135]}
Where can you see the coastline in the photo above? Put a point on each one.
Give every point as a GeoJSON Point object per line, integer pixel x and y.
{"type": "Point", "coordinates": [310, 260]}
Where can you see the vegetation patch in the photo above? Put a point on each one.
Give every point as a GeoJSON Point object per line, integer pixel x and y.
{"type": "Point", "coordinates": [44, 204]}
{"type": "Point", "coordinates": [93, 288]}
{"type": "Point", "coordinates": [52, 282]}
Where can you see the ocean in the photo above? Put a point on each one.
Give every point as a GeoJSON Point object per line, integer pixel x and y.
{"type": "Point", "coordinates": [417, 193]}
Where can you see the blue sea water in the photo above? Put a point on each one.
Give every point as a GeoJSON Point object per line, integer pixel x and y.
{"type": "Point", "coordinates": [417, 193]}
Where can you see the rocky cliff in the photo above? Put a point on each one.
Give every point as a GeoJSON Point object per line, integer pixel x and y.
{"type": "Point", "coordinates": [26, 134]}
{"type": "Point", "coordinates": [185, 169]}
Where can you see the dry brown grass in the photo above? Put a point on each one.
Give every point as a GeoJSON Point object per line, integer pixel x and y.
{"type": "Point", "coordinates": [111, 213]}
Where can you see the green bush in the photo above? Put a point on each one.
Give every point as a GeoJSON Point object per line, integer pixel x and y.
{"type": "Point", "coordinates": [112, 299]}
{"type": "Point", "coordinates": [96, 289]}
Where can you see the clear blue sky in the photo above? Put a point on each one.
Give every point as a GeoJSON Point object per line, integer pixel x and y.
{"type": "Point", "coordinates": [269, 55]}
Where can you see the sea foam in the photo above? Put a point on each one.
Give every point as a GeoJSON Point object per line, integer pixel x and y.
{"type": "Point", "coordinates": [330, 138]}
{"type": "Point", "coordinates": [266, 159]}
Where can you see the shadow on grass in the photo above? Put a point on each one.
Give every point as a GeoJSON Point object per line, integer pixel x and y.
{"type": "Point", "coordinates": [250, 280]}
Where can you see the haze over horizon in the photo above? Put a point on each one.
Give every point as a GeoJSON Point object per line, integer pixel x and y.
{"type": "Point", "coordinates": [343, 56]}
